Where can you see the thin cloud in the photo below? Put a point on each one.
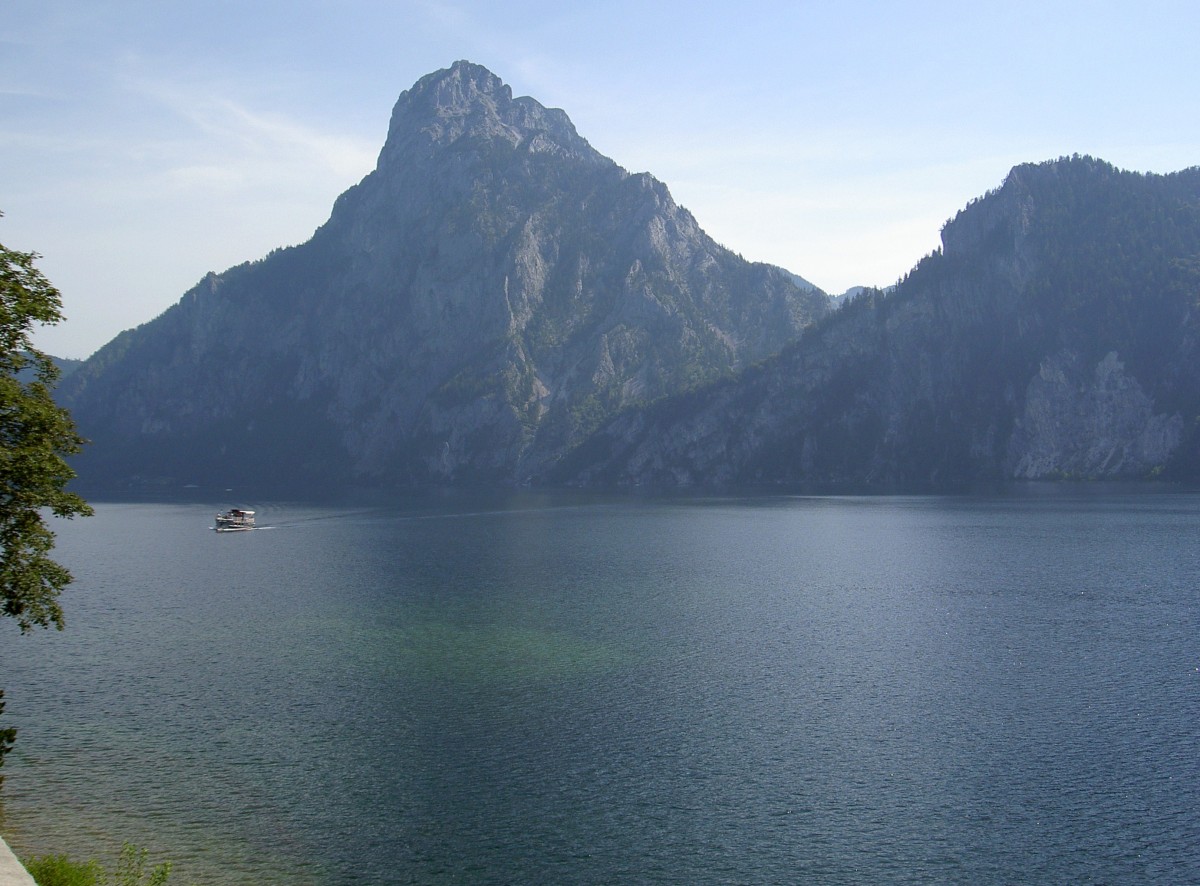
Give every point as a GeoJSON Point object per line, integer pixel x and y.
{"type": "Point", "coordinates": [242, 135]}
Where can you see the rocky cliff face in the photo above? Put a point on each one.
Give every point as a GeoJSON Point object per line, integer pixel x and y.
{"type": "Point", "coordinates": [1054, 335]}
{"type": "Point", "coordinates": [472, 309]}
{"type": "Point", "coordinates": [1081, 421]}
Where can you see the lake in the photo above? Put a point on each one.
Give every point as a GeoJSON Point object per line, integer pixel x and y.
{"type": "Point", "coordinates": [549, 689]}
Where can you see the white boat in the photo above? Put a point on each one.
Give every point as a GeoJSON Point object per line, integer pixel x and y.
{"type": "Point", "coordinates": [235, 520]}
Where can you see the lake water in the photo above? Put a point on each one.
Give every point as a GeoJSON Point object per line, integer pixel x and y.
{"type": "Point", "coordinates": [553, 690]}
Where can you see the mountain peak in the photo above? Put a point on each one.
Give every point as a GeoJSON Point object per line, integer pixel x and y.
{"type": "Point", "coordinates": [456, 89]}
{"type": "Point", "coordinates": [474, 307]}
{"type": "Point", "coordinates": [468, 100]}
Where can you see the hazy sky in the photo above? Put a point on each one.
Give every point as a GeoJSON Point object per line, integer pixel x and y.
{"type": "Point", "coordinates": [143, 144]}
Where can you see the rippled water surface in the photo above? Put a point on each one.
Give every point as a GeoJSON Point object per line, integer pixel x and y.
{"type": "Point", "coordinates": [543, 690]}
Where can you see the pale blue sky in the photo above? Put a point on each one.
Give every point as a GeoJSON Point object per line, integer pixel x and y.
{"type": "Point", "coordinates": [144, 143]}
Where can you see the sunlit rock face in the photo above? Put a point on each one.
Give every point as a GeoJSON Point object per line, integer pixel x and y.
{"type": "Point", "coordinates": [1097, 423]}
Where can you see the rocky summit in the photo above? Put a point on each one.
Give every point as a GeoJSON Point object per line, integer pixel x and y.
{"type": "Point", "coordinates": [473, 309]}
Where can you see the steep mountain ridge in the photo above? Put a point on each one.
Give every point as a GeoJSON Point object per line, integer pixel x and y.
{"type": "Point", "coordinates": [474, 307]}
{"type": "Point", "coordinates": [1054, 335]}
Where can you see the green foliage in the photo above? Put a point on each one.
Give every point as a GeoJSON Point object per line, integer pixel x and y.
{"type": "Point", "coordinates": [131, 869]}
{"type": "Point", "coordinates": [35, 436]}
{"type": "Point", "coordinates": [588, 413]}
{"type": "Point", "coordinates": [59, 870]}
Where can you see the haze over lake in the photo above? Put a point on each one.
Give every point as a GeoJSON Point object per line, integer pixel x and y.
{"type": "Point", "coordinates": [543, 689]}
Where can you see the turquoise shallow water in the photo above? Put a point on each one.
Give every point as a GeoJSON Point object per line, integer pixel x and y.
{"type": "Point", "coordinates": [551, 690]}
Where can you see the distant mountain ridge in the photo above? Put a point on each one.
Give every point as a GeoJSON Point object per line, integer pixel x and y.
{"type": "Point", "coordinates": [1055, 335]}
{"type": "Point", "coordinates": [493, 291]}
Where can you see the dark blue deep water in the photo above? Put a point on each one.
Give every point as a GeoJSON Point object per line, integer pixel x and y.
{"type": "Point", "coordinates": [549, 690]}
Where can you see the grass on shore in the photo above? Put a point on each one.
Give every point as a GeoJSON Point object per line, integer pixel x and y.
{"type": "Point", "coordinates": [59, 870]}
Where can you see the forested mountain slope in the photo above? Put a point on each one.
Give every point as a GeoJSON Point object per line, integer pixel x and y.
{"type": "Point", "coordinates": [1054, 335]}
